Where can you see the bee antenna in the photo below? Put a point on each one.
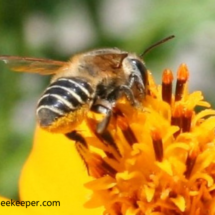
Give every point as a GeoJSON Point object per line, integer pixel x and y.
{"type": "Point", "coordinates": [157, 44]}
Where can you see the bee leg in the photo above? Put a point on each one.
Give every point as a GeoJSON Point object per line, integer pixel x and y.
{"type": "Point", "coordinates": [101, 127]}
{"type": "Point", "coordinates": [74, 135]}
{"type": "Point", "coordinates": [136, 79]}
{"type": "Point", "coordinates": [80, 144]}
{"type": "Point", "coordinates": [119, 91]}
{"type": "Point", "coordinates": [103, 107]}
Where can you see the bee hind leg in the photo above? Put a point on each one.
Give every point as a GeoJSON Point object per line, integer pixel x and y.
{"type": "Point", "coordinates": [74, 135]}
{"type": "Point", "coordinates": [104, 107]}
{"type": "Point", "coordinates": [81, 146]}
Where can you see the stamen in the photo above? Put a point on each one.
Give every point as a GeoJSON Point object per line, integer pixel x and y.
{"type": "Point", "coordinates": [116, 209]}
{"type": "Point", "coordinates": [108, 169]}
{"type": "Point", "coordinates": [186, 120]}
{"type": "Point", "coordinates": [182, 77]}
{"type": "Point", "coordinates": [190, 162]}
{"type": "Point", "coordinates": [107, 139]}
{"type": "Point", "coordinates": [126, 130]}
{"type": "Point", "coordinates": [176, 118]}
{"type": "Point", "coordinates": [157, 144]}
{"type": "Point", "coordinates": [129, 135]}
{"type": "Point", "coordinates": [98, 167]}
{"type": "Point", "coordinates": [167, 86]}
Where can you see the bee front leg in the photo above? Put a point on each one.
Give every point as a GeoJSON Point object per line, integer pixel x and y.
{"type": "Point", "coordinates": [137, 81]}
{"type": "Point", "coordinates": [119, 92]}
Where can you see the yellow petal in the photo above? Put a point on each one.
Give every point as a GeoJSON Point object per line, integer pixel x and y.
{"type": "Point", "coordinates": [179, 201]}
{"type": "Point", "coordinates": [165, 165]}
{"type": "Point", "coordinates": [55, 172]}
{"type": "Point", "coordinates": [149, 192]}
{"type": "Point", "coordinates": [7, 207]}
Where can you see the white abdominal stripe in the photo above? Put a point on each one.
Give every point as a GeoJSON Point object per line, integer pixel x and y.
{"type": "Point", "coordinates": [61, 97]}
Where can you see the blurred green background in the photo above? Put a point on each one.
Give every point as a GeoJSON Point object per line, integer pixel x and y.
{"type": "Point", "coordinates": [59, 29]}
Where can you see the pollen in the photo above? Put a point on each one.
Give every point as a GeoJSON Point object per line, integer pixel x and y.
{"type": "Point", "coordinates": [157, 158]}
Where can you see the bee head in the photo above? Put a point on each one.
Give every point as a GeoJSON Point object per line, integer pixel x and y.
{"type": "Point", "coordinates": [135, 70]}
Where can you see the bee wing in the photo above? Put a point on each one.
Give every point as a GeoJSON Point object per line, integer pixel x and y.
{"type": "Point", "coordinates": [108, 61]}
{"type": "Point", "coordinates": [32, 65]}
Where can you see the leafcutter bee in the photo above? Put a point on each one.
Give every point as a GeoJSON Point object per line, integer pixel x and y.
{"type": "Point", "coordinates": [94, 80]}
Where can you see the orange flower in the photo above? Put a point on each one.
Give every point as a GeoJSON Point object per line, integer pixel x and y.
{"type": "Point", "coordinates": [157, 158]}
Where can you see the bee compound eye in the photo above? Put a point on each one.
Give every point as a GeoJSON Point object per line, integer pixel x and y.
{"type": "Point", "coordinates": [141, 68]}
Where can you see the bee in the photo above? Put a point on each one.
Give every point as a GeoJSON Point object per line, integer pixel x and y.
{"type": "Point", "coordinates": [94, 81]}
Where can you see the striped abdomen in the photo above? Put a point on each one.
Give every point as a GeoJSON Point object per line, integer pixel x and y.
{"type": "Point", "coordinates": [60, 106]}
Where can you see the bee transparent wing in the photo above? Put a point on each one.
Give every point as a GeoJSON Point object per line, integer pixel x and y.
{"type": "Point", "coordinates": [105, 62]}
{"type": "Point", "coordinates": [109, 59]}
{"type": "Point", "coordinates": [32, 65]}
